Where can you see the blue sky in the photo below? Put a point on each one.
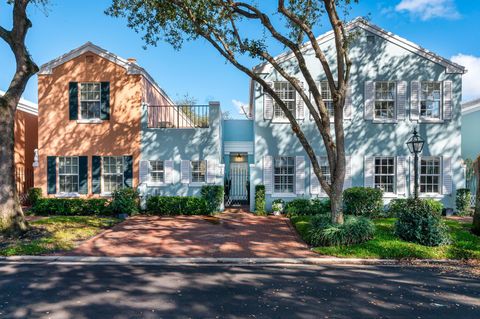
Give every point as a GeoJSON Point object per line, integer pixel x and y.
{"type": "Point", "coordinates": [446, 27]}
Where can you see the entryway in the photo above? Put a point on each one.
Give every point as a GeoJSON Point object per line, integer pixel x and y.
{"type": "Point", "coordinates": [237, 183]}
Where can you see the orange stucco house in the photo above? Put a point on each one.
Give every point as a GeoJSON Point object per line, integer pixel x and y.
{"type": "Point", "coordinates": [90, 107]}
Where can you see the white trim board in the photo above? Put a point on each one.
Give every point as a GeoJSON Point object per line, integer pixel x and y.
{"type": "Point", "coordinates": [25, 105]}
{"type": "Point", "coordinates": [238, 147]}
{"type": "Point", "coordinates": [471, 106]}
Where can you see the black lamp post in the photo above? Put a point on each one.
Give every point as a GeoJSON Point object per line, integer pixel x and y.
{"type": "Point", "coordinates": [415, 146]}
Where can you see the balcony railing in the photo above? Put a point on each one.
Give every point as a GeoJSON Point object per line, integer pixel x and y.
{"type": "Point", "coordinates": [178, 116]}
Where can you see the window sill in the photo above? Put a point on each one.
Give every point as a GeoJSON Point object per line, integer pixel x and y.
{"type": "Point", "coordinates": [431, 121]}
{"type": "Point", "coordinates": [199, 184]}
{"type": "Point", "coordinates": [432, 195]}
{"type": "Point", "coordinates": [154, 184]}
{"type": "Point", "coordinates": [283, 195]}
{"type": "Point", "coordinates": [91, 121]}
{"type": "Point", "coordinates": [106, 194]}
{"type": "Point", "coordinates": [385, 121]}
{"type": "Point", "coordinates": [67, 195]}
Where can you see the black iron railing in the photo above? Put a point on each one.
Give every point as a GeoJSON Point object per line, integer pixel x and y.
{"type": "Point", "coordinates": [178, 116]}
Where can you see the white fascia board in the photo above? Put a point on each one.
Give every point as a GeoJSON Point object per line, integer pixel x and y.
{"type": "Point", "coordinates": [25, 105]}
{"type": "Point", "coordinates": [470, 107]}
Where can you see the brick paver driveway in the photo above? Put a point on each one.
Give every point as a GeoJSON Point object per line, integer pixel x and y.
{"type": "Point", "coordinates": [234, 233]}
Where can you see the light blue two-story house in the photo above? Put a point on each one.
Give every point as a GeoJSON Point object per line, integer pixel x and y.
{"type": "Point", "coordinates": [395, 86]}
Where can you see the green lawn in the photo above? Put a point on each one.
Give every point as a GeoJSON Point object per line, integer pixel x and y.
{"type": "Point", "coordinates": [56, 233]}
{"type": "Point", "coordinates": [388, 246]}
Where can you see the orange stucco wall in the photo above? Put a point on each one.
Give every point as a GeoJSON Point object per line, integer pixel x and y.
{"type": "Point", "coordinates": [59, 136]}
{"type": "Point", "coordinates": [26, 138]}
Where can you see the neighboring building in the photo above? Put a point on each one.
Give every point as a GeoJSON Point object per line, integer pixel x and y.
{"type": "Point", "coordinates": [26, 141]}
{"type": "Point", "coordinates": [471, 129]}
{"type": "Point", "coordinates": [395, 86]}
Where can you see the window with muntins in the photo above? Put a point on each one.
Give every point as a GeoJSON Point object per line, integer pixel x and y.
{"type": "Point", "coordinates": [385, 174]}
{"type": "Point", "coordinates": [68, 174]}
{"type": "Point", "coordinates": [199, 170]}
{"type": "Point", "coordinates": [90, 101]}
{"type": "Point", "coordinates": [287, 93]}
{"type": "Point", "coordinates": [385, 93]}
{"type": "Point", "coordinates": [327, 96]}
{"type": "Point", "coordinates": [430, 100]}
{"type": "Point", "coordinates": [112, 173]}
{"type": "Point", "coordinates": [157, 172]}
{"type": "Point", "coordinates": [430, 176]}
{"type": "Point", "coordinates": [284, 174]}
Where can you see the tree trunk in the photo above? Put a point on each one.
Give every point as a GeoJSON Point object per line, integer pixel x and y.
{"type": "Point", "coordinates": [337, 207]}
{"type": "Point", "coordinates": [11, 215]}
{"type": "Point", "coordinates": [476, 215]}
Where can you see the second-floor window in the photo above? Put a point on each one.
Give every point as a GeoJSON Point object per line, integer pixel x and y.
{"type": "Point", "coordinates": [385, 174]}
{"type": "Point", "coordinates": [385, 100]}
{"type": "Point", "coordinates": [430, 100]}
{"type": "Point", "coordinates": [112, 173]}
{"type": "Point", "coordinates": [287, 93]}
{"type": "Point", "coordinates": [90, 101]}
{"type": "Point", "coordinates": [198, 171]}
{"type": "Point", "coordinates": [284, 174]}
{"type": "Point", "coordinates": [157, 172]}
{"type": "Point", "coordinates": [430, 175]}
{"type": "Point", "coordinates": [327, 96]}
{"type": "Point", "coordinates": [68, 174]}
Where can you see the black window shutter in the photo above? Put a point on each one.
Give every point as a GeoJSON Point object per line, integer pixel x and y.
{"type": "Point", "coordinates": [51, 175]}
{"type": "Point", "coordinates": [73, 100]}
{"type": "Point", "coordinates": [83, 174]}
{"type": "Point", "coordinates": [96, 174]}
{"type": "Point", "coordinates": [105, 101]}
{"type": "Point", "coordinates": [128, 171]}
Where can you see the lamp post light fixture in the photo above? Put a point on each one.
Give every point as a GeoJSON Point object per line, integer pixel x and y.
{"type": "Point", "coordinates": [415, 146]}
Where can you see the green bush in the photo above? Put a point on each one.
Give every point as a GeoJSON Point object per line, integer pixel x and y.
{"type": "Point", "coordinates": [363, 201]}
{"type": "Point", "coordinates": [420, 223]}
{"type": "Point", "coordinates": [176, 205]}
{"type": "Point", "coordinates": [320, 206]}
{"type": "Point", "coordinates": [354, 230]}
{"type": "Point", "coordinates": [71, 207]}
{"type": "Point", "coordinates": [278, 205]}
{"type": "Point", "coordinates": [397, 206]}
{"type": "Point", "coordinates": [125, 201]}
{"type": "Point", "coordinates": [462, 200]}
{"type": "Point", "coordinates": [435, 205]}
{"type": "Point", "coordinates": [260, 208]}
{"type": "Point", "coordinates": [213, 195]}
{"type": "Point", "coordinates": [34, 194]}
{"type": "Point", "coordinates": [303, 207]}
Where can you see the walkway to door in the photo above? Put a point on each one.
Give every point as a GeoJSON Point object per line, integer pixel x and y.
{"type": "Point", "coordinates": [234, 233]}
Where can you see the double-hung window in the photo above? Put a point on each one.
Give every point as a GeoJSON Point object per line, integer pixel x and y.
{"type": "Point", "coordinates": [90, 101]}
{"type": "Point", "coordinates": [431, 100]}
{"type": "Point", "coordinates": [327, 97]}
{"type": "Point", "coordinates": [325, 168]}
{"type": "Point", "coordinates": [385, 174]}
{"type": "Point", "coordinates": [284, 174]}
{"type": "Point", "coordinates": [157, 171]}
{"type": "Point", "coordinates": [198, 171]}
{"type": "Point", "coordinates": [112, 173]}
{"type": "Point", "coordinates": [430, 175]}
{"type": "Point", "coordinates": [287, 94]}
{"type": "Point", "coordinates": [68, 174]}
{"type": "Point", "coordinates": [385, 95]}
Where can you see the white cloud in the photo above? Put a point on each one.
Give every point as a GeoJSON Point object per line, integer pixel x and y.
{"type": "Point", "coordinates": [429, 9]}
{"type": "Point", "coordinates": [471, 80]}
{"type": "Point", "coordinates": [238, 106]}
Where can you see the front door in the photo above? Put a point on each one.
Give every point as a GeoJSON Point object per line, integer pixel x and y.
{"type": "Point", "coordinates": [238, 184]}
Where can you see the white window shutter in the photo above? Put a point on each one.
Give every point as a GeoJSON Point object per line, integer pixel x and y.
{"type": "Point", "coordinates": [368, 172]}
{"type": "Point", "coordinates": [401, 99]}
{"type": "Point", "coordinates": [300, 107]}
{"type": "Point", "coordinates": [268, 174]}
{"type": "Point", "coordinates": [414, 100]}
{"type": "Point", "coordinates": [300, 175]}
{"type": "Point", "coordinates": [347, 183]}
{"type": "Point", "coordinates": [185, 172]}
{"type": "Point", "coordinates": [211, 171]}
{"type": "Point", "coordinates": [447, 175]}
{"type": "Point", "coordinates": [447, 100]}
{"type": "Point", "coordinates": [347, 109]}
{"type": "Point", "coordinates": [315, 187]}
{"type": "Point", "coordinates": [369, 99]}
{"type": "Point", "coordinates": [169, 171]}
{"type": "Point", "coordinates": [401, 175]}
{"type": "Point", "coordinates": [412, 174]}
{"type": "Point", "coordinates": [268, 104]}
{"type": "Point", "coordinates": [144, 171]}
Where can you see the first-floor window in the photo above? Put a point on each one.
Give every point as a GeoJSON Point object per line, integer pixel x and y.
{"type": "Point", "coordinates": [284, 173]}
{"type": "Point", "coordinates": [199, 170]}
{"type": "Point", "coordinates": [68, 174]}
{"type": "Point", "coordinates": [112, 173]}
{"type": "Point", "coordinates": [430, 177]}
{"type": "Point", "coordinates": [157, 172]}
{"type": "Point", "coordinates": [385, 174]}
{"type": "Point", "coordinates": [287, 93]}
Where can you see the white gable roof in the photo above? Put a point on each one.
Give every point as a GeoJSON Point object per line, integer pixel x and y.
{"type": "Point", "coordinates": [471, 106]}
{"type": "Point", "coordinates": [360, 22]}
{"type": "Point", "coordinates": [131, 67]}
{"type": "Point", "coordinates": [25, 105]}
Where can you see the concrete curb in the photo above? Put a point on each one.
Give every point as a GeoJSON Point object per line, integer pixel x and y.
{"type": "Point", "coordinates": [215, 261]}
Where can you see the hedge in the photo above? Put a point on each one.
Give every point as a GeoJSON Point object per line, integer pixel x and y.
{"type": "Point", "coordinates": [260, 204]}
{"type": "Point", "coordinates": [71, 207]}
{"type": "Point", "coordinates": [176, 205]}
{"type": "Point", "coordinates": [363, 201]}
{"type": "Point", "coordinates": [213, 195]}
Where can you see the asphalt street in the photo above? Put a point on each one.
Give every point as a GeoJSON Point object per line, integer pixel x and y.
{"type": "Point", "coordinates": [48, 290]}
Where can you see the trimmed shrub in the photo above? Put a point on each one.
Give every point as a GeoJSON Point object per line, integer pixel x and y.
{"type": "Point", "coordinates": [435, 205]}
{"type": "Point", "coordinates": [420, 223]}
{"type": "Point", "coordinates": [176, 205]}
{"type": "Point", "coordinates": [320, 206]}
{"type": "Point", "coordinates": [354, 230]}
{"type": "Point", "coordinates": [213, 195]}
{"type": "Point", "coordinates": [34, 194]}
{"type": "Point", "coordinates": [125, 201]}
{"type": "Point", "coordinates": [303, 207]}
{"type": "Point", "coordinates": [260, 208]}
{"type": "Point", "coordinates": [71, 207]}
{"type": "Point", "coordinates": [363, 201]}
{"type": "Point", "coordinates": [397, 206]}
{"type": "Point", "coordinates": [462, 200]}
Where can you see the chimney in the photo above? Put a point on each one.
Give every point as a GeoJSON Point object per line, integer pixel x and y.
{"type": "Point", "coordinates": [132, 60]}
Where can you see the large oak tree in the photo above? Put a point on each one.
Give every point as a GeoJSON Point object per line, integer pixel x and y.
{"type": "Point", "coordinates": [226, 26]}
